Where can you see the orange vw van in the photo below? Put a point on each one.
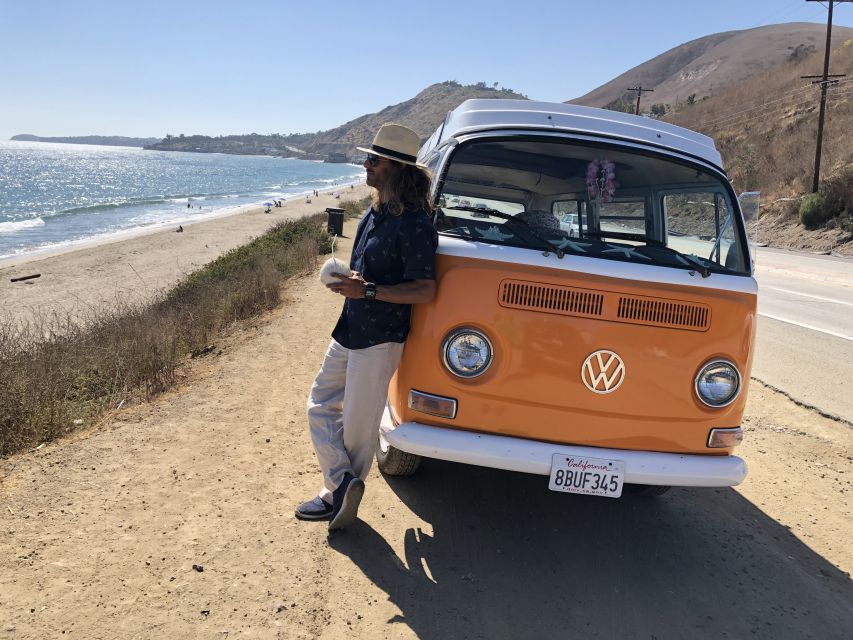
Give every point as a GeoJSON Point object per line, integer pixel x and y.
{"type": "Point", "coordinates": [595, 315]}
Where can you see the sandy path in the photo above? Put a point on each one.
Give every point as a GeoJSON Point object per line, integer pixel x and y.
{"type": "Point", "coordinates": [99, 533]}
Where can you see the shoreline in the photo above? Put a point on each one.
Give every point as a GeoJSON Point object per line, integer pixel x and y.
{"type": "Point", "coordinates": [137, 267]}
{"type": "Point", "coordinates": [122, 235]}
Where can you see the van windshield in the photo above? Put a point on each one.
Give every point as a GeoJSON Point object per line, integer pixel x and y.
{"type": "Point", "coordinates": [602, 203]}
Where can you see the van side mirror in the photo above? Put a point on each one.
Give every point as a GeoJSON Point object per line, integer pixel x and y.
{"type": "Point", "coordinates": [749, 202]}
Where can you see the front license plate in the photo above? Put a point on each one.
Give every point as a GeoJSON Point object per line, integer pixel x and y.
{"type": "Point", "coordinates": [590, 476]}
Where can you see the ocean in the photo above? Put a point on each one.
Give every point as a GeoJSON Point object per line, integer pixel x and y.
{"type": "Point", "coordinates": [56, 196]}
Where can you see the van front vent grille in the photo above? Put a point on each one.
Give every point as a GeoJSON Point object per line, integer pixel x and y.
{"type": "Point", "coordinates": [664, 313]}
{"type": "Point", "coordinates": [551, 298]}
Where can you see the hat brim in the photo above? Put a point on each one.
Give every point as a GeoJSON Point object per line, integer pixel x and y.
{"type": "Point", "coordinates": [390, 157]}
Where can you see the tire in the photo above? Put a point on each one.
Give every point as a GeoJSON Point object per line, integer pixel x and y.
{"type": "Point", "coordinates": [648, 490]}
{"type": "Point", "coordinates": [393, 462]}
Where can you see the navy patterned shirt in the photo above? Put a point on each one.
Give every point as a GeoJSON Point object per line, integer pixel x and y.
{"type": "Point", "coordinates": [388, 250]}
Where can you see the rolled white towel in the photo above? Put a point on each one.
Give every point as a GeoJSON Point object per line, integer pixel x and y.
{"type": "Point", "coordinates": [332, 266]}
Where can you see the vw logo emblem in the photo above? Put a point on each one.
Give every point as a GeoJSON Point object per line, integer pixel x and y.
{"type": "Point", "coordinates": [603, 371]}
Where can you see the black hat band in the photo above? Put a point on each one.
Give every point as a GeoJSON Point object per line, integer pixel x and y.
{"type": "Point", "coordinates": [405, 157]}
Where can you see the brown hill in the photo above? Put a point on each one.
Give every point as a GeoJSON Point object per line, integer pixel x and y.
{"type": "Point", "coordinates": [765, 126]}
{"type": "Point", "coordinates": [706, 65]}
{"type": "Point", "coordinates": [423, 113]}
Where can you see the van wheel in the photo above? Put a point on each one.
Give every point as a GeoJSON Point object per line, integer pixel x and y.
{"type": "Point", "coordinates": [649, 490]}
{"type": "Point", "coordinates": [393, 462]}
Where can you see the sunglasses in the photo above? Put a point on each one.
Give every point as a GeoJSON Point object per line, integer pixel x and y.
{"type": "Point", "coordinates": [373, 159]}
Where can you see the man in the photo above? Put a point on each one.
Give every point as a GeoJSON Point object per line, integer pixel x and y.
{"type": "Point", "coordinates": [393, 267]}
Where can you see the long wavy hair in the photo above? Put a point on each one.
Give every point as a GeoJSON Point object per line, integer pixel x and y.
{"type": "Point", "coordinates": [407, 187]}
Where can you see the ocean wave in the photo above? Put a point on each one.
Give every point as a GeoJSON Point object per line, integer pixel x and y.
{"type": "Point", "coordinates": [17, 225]}
{"type": "Point", "coordinates": [105, 206]}
{"type": "Point", "coordinates": [133, 202]}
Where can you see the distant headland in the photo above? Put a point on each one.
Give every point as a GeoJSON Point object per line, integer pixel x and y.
{"type": "Point", "coordinates": [112, 141]}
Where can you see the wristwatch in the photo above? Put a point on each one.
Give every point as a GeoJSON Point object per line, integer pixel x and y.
{"type": "Point", "coordinates": [370, 291]}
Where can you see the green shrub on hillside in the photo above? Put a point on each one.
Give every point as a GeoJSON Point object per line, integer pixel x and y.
{"type": "Point", "coordinates": [838, 190]}
{"type": "Point", "coordinates": [813, 210]}
{"type": "Point", "coordinates": [834, 199]}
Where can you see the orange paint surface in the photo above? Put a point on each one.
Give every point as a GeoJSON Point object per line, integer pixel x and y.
{"type": "Point", "coordinates": [533, 388]}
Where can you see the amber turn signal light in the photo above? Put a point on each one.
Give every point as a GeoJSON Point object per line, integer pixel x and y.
{"type": "Point", "coordinates": [433, 405]}
{"type": "Point", "coordinates": [725, 438]}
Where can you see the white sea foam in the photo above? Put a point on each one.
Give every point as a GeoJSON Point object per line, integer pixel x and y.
{"type": "Point", "coordinates": [13, 226]}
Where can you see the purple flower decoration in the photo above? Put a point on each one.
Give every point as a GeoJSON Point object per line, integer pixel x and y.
{"type": "Point", "coordinates": [601, 179]}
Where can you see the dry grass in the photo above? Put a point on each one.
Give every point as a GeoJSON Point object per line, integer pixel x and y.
{"type": "Point", "coordinates": [766, 130]}
{"type": "Point", "coordinates": [766, 127]}
{"type": "Point", "coordinates": [60, 372]}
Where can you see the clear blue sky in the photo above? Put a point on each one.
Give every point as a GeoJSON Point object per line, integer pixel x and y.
{"type": "Point", "coordinates": [150, 67]}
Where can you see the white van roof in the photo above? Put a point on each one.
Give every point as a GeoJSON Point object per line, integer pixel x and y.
{"type": "Point", "coordinates": [486, 115]}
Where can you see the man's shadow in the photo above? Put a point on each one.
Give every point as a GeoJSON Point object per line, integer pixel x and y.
{"type": "Point", "coordinates": [510, 559]}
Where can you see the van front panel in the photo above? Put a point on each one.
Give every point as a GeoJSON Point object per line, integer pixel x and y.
{"type": "Point", "coordinates": [544, 323]}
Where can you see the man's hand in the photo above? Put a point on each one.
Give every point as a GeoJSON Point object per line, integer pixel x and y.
{"type": "Point", "coordinates": [413, 292]}
{"type": "Point", "coordinates": [348, 286]}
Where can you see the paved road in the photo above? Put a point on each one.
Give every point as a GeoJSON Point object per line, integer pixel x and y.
{"type": "Point", "coordinates": [805, 328]}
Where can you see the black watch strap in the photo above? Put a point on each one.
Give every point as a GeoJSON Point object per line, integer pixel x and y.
{"type": "Point", "coordinates": [370, 291]}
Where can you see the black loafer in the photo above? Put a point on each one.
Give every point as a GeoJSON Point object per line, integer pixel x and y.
{"type": "Point", "coordinates": [315, 509]}
{"type": "Point", "coordinates": [346, 498]}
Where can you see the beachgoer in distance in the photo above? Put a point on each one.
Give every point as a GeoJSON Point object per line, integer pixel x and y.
{"type": "Point", "coordinates": [393, 267]}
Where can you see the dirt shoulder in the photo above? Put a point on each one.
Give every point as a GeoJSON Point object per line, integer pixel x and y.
{"type": "Point", "coordinates": [779, 226]}
{"type": "Point", "coordinates": [99, 533]}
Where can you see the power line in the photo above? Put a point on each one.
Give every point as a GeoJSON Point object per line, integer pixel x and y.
{"type": "Point", "coordinates": [786, 9]}
{"type": "Point", "coordinates": [761, 111]}
{"type": "Point", "coordinates": [834, 97]}
{"type": "Point", "coordinates": [729, 116]}
{"type": "Point", "coordinates": [761, 116]}
{"type": "Point", "coordinates": [823, 86]}
{"type": "Point", "coordinates": [774, 111]}
{"type": "Point", "coordinates": [809, 87]}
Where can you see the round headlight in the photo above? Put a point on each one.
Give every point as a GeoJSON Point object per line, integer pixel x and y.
{"type": "Point", "coordinates": [718, 383]}
{"type": "Point", "coordinates": [467, 353]}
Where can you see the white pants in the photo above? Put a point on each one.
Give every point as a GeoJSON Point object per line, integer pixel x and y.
{"type": "Point", "coordinates": [345, 407]}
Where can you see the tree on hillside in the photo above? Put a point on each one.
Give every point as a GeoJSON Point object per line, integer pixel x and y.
{"type": "Point", "coordinates": [659, 110]}
{"type": "Point", "coordinates": [622, 104]}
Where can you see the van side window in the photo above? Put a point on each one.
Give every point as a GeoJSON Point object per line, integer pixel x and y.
{"type": "Point", "coordinates": [700, 223]}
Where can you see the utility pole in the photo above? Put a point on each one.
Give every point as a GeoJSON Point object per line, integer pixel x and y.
{"type": "Point", "coordinates": [639, 89]}
{"type": "Point", "coordinates": [824, 82]}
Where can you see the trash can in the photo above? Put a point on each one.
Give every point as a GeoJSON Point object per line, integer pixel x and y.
{"type": "Point", "coordinates": [336, 221]}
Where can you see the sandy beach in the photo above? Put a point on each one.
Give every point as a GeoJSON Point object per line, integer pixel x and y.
{"type": "Point", "coordinates": [135, 268]}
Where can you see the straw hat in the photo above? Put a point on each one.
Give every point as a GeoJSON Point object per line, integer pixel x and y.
{"type": "Point", "coordinates": [395, 142]}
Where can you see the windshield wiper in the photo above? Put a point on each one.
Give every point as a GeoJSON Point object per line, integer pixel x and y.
{"type": "Point", "coordinates": [692, 260]}
{"type": "Point", "coordinates": [494, 213]}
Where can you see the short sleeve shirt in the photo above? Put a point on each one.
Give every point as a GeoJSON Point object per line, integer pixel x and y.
{"type": "Point", "coordinates": [389, 249]}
